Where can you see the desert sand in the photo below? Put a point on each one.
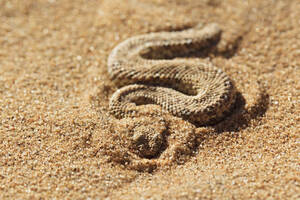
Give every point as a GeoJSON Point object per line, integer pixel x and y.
{"type": "Point", "coordinates": [58, 140]}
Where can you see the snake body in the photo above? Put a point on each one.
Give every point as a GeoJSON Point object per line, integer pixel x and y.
{"type": "Point", "coordinates": [192, 90]}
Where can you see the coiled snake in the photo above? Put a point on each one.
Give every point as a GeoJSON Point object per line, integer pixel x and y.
{"type": "Point", "coordinates": [192, 90]}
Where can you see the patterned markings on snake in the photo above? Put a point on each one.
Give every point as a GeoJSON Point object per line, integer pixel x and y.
{"type": "Point", "coordinates": [195, 91]}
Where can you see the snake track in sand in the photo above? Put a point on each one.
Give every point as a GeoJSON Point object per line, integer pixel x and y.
{"type": "Point", "coordinates": [192, 90]}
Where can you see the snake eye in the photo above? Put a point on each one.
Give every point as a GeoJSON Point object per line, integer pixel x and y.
{"type": "Point", "coordinates": [224, 96]}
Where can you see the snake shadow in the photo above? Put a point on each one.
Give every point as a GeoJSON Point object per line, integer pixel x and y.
{"type": "Point", "coordinates": [209, 49]}
{"type": "Point", "coordinates": [227, 52]}
{"type": "Point", "coordinates": [241, 117]}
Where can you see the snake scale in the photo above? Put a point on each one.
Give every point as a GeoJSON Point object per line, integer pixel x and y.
{"type": "Point", "coordinates": [195, 91]}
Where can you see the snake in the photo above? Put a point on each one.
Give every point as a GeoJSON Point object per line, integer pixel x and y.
{"type": "Point", "coordinates": [147, 70]}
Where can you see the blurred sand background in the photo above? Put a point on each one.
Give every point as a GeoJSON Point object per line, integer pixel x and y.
{"type": "Point", "coordinates": [57, 140]}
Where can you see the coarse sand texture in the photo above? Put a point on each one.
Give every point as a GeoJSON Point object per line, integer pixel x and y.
{"type": "Point", "coordinates": [149, 99]}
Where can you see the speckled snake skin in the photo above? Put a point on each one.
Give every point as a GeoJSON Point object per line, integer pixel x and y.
{"type": "Point", "coordinates": [195, 91]}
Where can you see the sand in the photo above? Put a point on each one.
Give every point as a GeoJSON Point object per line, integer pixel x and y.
{"type": "Point", "coordinates": [58, 141]}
